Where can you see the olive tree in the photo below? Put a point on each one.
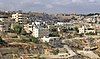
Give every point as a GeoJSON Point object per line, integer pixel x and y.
{"type": "Point", "coordinates": [17, 28]}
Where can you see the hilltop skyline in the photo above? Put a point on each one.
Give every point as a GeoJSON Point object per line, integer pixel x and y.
{"type": "Point", "coordinates": [52, 6]}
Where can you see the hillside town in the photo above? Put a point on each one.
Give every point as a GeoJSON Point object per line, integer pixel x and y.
{"type": "Point", "coordinates": [33, 35]}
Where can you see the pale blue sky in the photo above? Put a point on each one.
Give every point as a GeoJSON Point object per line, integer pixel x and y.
{"type": "Point", "coordinates": [52, 6]}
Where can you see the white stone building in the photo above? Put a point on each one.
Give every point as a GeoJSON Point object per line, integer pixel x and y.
{"type": "Point", "coordinates": [3, 27]}
{"type": "Point", "coordinates": [40, 32]}
{"type": "Point", "coordinates": [81, 30]}
{"type": "Point", "coordinates": [20, 17]}
{"type": "Point", "coordinates": [47, 39]}
{"type": "Point", "coordinates": [87, 29]}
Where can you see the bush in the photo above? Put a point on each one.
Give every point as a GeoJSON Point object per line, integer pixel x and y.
{"type": "Point", "coordinates": [76, 29]}
{"type": "Point", "coordinates": [69, 36]}
{"type": "Point", "coordinates": [55, 52]}
{"type": "Point", "coordinates": [34, 40]}
{"type": "Point", "coordinates": [23, 32]}
{"type": "Point", "coordinates": [90, 33]}
{"type": "Point", "coordinates": [2, 42]}
{"type": "Point", "coordinates": [81, 35]}
{"type": "Point", "coordinates": [53, 35]}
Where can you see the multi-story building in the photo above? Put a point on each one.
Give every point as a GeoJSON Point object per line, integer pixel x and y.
{"type": "Point", "coordinates": [40, 32]}
{"type": "Point", "coordinates": [81, 30]}
{"type": "Point", "coordinates": [36, 29]}
{"type": "Point", "coordinates": [20, 17]}
{"type": "Point", "coordinates": [85, 29]}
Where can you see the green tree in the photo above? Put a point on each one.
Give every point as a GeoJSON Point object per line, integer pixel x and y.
{"type": "Point", "coordinates": [46, 43]}
{"type": "Point", "coordinates": [76, 29]}
{"type": "Point", "coordinates": [34, 40]}
{"type": "Point", "coordinates": [55, 52]}
{"type": "Point", "coordinates": [53, 29]}
{"type": "Point", "coordinates": [2, 42]}
{"type": "Point", "coordinates": [69, 36]}
{"type": "Point", "coordinates": [90, 33]}
{"type": "Point", "coordinates": [17, 28]}
{"type": "Point", "coordinates": [54, 34]}
{"type": "Point", "coordinates": [81, 35]}
{"type": "Point", "coordinates": [23, 32]}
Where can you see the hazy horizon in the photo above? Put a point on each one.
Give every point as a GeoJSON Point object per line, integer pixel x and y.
{"type": "Point", "coordinates": [52, 6]}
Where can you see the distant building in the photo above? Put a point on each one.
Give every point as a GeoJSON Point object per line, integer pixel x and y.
{"type": "Point", "coordinates": [61, 23]}
{"type": "Point", "coordinates": [36, 29]}
{"type": "Point", "coordinates": [53, 41]}
{"type": "Point", "coordinates": [87, 29]}
{"type": "Point", "coordinates": [2, 19]}
{"type": "Point", "coordinates": [40, 32]}
{"type": "Point", "coordinates": [90, 30]}
{"type": "Point", "coordinates": [81, 30]}
{"type": "Point", "coordinates": [22, 18]}
{"type": "Point", "coordinates": [3, 27]}
{"type": "Point", "coordinates": [98, 29]}
{"type": "Point", "coordinates": [47, 39]}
